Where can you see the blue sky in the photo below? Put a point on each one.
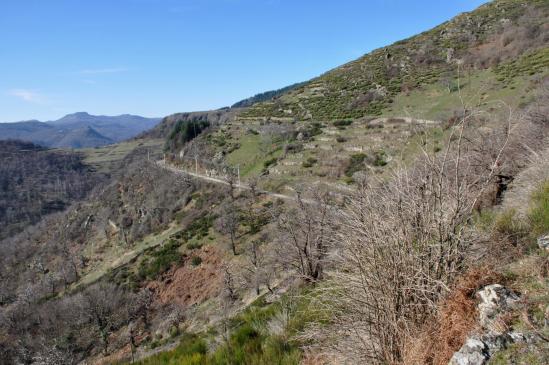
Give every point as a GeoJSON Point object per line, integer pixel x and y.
{"type": "Point", "coordinates": [157, 57]}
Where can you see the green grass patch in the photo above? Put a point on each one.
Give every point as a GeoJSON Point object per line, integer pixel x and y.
{"type": "Point", "coordinates": [253, 154]}
{"type": "Point", "coordinates": [160, 261]}
{"type": "Point", "coordinates": [250, 340]}
{"type": "Point", "coordinates": [309, 162]}
{"type": "Point", "coordinates": [538, 216]}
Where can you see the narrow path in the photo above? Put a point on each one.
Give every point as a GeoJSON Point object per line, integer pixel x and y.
{"type": "Point", "coordinates": [214, 180]}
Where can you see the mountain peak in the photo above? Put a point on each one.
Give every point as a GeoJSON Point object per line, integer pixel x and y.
{"type": "Point", "coordinates": [79, 114]}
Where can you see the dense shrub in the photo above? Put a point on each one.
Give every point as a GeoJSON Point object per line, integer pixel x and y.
{"type": "Point", "coordinates": [199, 227]}
{"type": "Point", "coordinates": [269, 162]}
{"type": "Point", "coordinates": [343, 123]}
{"type": "Point", "coordinates": [356, 163]}
{"type": "Point", "coordinates": [310, 162]}
{"type": "Point", "coordinates": [161, 260]}
{"type": "Point", "coordinates": [196, 260]}
{"type": "Point", "coordinates": [378, 158]}
{"type": "Point", "coordinates": [185, 131]}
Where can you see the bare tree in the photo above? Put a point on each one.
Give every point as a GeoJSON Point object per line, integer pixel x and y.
{"type": "Point", "coordinates": [258, 269]}
{"type": "Point", "coordinates": [142, 305]}
{"type": "Point", "coordinates": [229, 288]}
{"type": "Point", "coordinates": [229, 221]}
{"type": "Point", "coordinates": [304, 235]}
{"type": "Point", "coordinates": [105, 308]}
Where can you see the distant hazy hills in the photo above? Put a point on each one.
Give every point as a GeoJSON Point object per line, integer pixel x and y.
{"type": "Point", "coordinates": [78, 130]}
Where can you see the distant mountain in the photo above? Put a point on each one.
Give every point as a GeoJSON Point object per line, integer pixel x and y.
{"type": "Point", "coordinates": [84, 137]}
{"type": "Point", "coordinates": [78, 130]}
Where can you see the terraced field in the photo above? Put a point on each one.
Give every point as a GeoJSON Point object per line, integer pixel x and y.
{"type": "Point", "coordinates": [106, 157]}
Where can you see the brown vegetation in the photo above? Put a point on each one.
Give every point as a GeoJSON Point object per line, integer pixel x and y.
{"type": "Point", "coordinates": [188, 285]}
{"type": "Point", "coordinates": [456, 317]}
{"type": "Point", "coordinates": [404, 244]}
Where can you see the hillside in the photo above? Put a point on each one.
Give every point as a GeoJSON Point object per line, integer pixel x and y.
{"type": "Point", "coordinates": [394, 210]}
{"type": "Point", "coordinates": [78, 130]}
{"type": "Point", "coordinates": [166, 126]}
{"type": "Point", "coordinates": [373, 84]}
{"type": "Point", "coordinates": [35, 182]}
{"type": "Point", "coordinates": [265, 96]}
{"type": "Point", "coordinates": [82, 137]}
{"type": "Point", "coordinates": [366, 117]}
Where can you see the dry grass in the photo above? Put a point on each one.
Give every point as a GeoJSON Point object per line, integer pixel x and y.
{"type": "Point", "coordinates": [455, 320]}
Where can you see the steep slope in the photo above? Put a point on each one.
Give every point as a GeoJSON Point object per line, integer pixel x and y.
{"type": "Point", "coordinates": [32, 131]}
{"type": "Point", "coordinates": [492, 34]}
{"type": "Point", "coordinates": [165, 127]}
{"type": "Point", "coordinates": [265, 96]}
{"type": "Point", "coordinates": [35, 182]}
{"type": "Point", "coordinates": [367, 116]}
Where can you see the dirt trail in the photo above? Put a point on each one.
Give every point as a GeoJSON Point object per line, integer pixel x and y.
{"type": "Point", "coordinates": [214, 180]}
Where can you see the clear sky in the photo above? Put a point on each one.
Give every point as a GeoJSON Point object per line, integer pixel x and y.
{"type": "Point", "coordinates": [157, 57]}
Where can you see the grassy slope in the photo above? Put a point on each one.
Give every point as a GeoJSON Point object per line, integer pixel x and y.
{"type": "Point", "coordinates": [482, 87]}
{"type": "Point", "coordinates": [416, 88]}
{"type": "Point", "coordinates": [410, 63]}
{"type": "Point", "coordinates": [106, 157]}
{"type": "Point", "coordinates": [252, 338]}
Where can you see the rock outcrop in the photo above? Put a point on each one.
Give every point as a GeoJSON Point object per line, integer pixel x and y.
{"type": "Point", "coordinates": [495, 300]}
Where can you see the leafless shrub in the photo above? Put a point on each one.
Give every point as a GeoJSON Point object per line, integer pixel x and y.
{"type": "Point", "coordinates": [532, 137]}
{"type": "Point", "coordinates": [512, 40]}
{"type": "Point", "coordinates": [259, 268]}
{"type": "Point", "coordinates": [401, 244]}
{"type": "Point", "coordinates": [228, 222]}
{"type": "Point", "coordinates": [525, 184]}
{"type": "Point", "coordinates": [304, 236]}
{"type": "Point", "coordinates": [104, 306]}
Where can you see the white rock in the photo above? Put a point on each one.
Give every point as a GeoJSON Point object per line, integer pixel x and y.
{"type": "Point", "coordinates": [495, 299]}
{"type": "Point", "coordinates": [543, 242]}
{"type": "Point", "coordinates": [473, 352]}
